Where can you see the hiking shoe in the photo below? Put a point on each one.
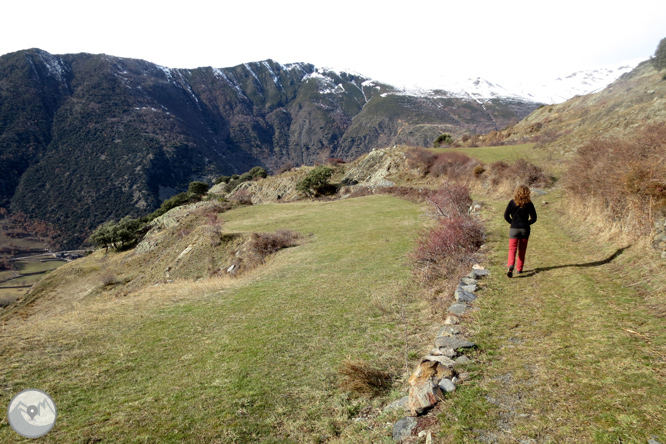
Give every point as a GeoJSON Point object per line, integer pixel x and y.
{"type": "Point", "coordinates": [510, 272]}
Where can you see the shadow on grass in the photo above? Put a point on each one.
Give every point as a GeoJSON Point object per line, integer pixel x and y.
{"type": "Point", "coordinates": [528, 273]}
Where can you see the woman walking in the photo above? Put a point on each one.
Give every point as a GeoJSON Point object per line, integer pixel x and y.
{"type": "Point", "coordinates": [520, 213]}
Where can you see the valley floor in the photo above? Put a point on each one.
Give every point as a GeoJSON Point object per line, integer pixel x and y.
{"type": "Point", "coordinates": [571, 351]}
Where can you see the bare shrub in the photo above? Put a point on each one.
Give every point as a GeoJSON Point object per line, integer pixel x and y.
{"type": "Point", "coordinates": [441, 253]}
{"type": "Point", "coordinates": [527, 173]}
{"type": "Point", "coordinates": [361, 378]}
{"type": "Point", "coordinates": [453, 165]}
{"type": "Point", "coordinates": [452, 199]}
{"type": "Point", "coordinates": [243, 197]}
{"type": "Point", "coordinates": [264, 244]}
{"type": "Point", "coordinates": [420, 159]}
{"type": "Point", "coordinates": [288, 166]}
{"type": "Point", "coordinates": [412, 194]}
{"type": "Point", "coordinates": [361, 191]}
{"type": "Point", "coordinates": [623, 179]}
{"type": "Point", "coordinates": [109, 278]}
{"type": "Point", "coordinates": [520, 172]}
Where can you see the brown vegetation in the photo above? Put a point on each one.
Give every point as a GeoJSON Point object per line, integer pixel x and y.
{"type": "Point", "coordinates": [445, 250]}
{"type": "Point", "coordinates": [505, 177]}
{"type": "Point", "coordinates": [622, 181]}
{"type": "Point", "coordinates": [262, 245]}
{"type": "Point", "coordinates": [450, 164]}
{"type": "Point", "coordinates": [359, 377]}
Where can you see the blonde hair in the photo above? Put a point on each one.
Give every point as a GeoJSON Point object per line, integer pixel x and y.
{"type": "Point", "coordinates": [522, 195]}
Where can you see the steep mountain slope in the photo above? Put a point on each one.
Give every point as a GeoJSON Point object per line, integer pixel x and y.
{"type": "Point", "coordinates": [85, 138]}
{"type": "Point", "coordinates": [634, 100]}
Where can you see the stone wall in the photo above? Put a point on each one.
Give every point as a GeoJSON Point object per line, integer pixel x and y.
{"type": "Point", "coordinates": [439, 372]}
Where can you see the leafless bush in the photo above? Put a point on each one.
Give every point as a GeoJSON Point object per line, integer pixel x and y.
{"type": "Point", "coordinates": [264, 244]}
{"type": "Point", "coordinates": [624, 179]}
{"type": "Point", "coordinates": [453, 165]}
{"type": "Point", "coordinates": [109, 278]}
{"type": "Point", "coordinates": [243, 197]}
{"type": "Point", "coordinates": [420, 159]}
{"type": "Point", "coordinates": [412, 194]}
{"type": "Point", "coordinates": [288, 166]}
{"type": "Point", "coordinates": [520, 172]}
{"type": "Point", "coordinates": [361, 378]}
{"type": "Point", "coordinates": [444, 251]}
{"type": "Point", "coordinates": [451, 199]}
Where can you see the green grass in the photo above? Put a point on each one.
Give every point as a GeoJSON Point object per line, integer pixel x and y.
{"type": "Point", "coordinates": [570, 352]}
{"type": "Point", "coordinates": [253, 360]}
{"type": "Point", "coordinates": [507, 153]}
{"type": "Point", "coordinates": [25, 267]}
{"type": "Point", "coordinates": [24, 280]}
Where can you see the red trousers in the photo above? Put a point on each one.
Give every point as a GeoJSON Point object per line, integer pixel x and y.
{"type": "Point", "coordinates": [521, 246]}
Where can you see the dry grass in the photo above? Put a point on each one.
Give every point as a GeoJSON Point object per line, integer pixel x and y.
{"type": "Point", "coordinates": [361, 378]}
{"type": "Point", "coordinates": [622, 182]}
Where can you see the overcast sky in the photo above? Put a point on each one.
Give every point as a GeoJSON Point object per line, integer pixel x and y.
{"type": "Point", "coordinates": [404, 43]}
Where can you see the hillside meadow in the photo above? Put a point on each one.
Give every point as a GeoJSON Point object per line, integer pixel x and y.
{"type": "Point", "coordinates": [247, 359]}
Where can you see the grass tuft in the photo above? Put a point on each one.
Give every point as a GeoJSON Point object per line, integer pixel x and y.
{"type": "Point", "coordinates": [361, 378]}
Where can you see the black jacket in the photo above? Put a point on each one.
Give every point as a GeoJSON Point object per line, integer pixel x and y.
{"type": "Point", "coordinates": [520, 217]}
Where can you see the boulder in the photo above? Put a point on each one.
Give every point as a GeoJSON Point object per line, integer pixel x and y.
{"type": "Point", "coordinates": [398, 404]}
{"type": "Point", "coordinates": [467, 281]}
{"type": "Point", "coordinates": [447, 385]}
{"type": "Point", "coordinates": [423, 396]}
{"type": "Point", "coordinates": [478, 274]}
{"type": "Point", "coordinates": [454, 343]}
{"type": "Point", "coordinates": [471, 287]}
{"type": "Point", "coordinates": [458, 308]}
{"type": "Point", "coordinates": [444, 351]}
{"type": "Point", "coordinates": [449, 330]}
{"type": "Point", "coordinates": [463, 295]}
{"type": "Point", "coordinates": [462, 360]}
{"type": "Point", "coordinates": [451, 319]}
{"type": "Point", "coordinates": [431, 367]}
{"type": "Point", "coordinates": [404, 428]}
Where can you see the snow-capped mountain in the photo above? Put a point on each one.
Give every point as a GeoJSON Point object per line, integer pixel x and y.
{"type": "Point", "coordinates": [555, 91]}
{"type": "Point", "coordinates": [579, 83]}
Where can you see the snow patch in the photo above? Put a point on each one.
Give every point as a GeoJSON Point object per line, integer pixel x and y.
{"type": "Point", "coordinates": [274, 76]}
{"type": "Point", "coordinates": [326, 84]}
{"type": "Point", "coordinates": [221, 75]}
{"type": "Point", "coordinates": [166, 71]}
{"type": "Point", "coordinates": [54, 66]}
{"type": "Point", "coordinates": [249, 68]}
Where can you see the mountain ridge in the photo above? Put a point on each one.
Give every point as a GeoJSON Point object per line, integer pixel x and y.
{"type": "Point", "coordinates": [85, 138]}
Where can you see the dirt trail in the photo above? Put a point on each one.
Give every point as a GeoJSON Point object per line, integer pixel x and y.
{"type": "Point", "coordinates": [570, 352]}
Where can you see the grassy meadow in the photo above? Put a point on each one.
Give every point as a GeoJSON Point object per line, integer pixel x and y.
{"type": "Point", "coordinates": [572, 351]}
{"type": "Point", "coordinates": [248, 359]}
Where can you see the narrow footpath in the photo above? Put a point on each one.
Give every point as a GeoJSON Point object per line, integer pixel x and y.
{"type": "Point", "coordinates": [571, 351]}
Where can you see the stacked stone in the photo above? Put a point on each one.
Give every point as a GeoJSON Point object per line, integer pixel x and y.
{"type": "Point", "coordinates": [436, 374]}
